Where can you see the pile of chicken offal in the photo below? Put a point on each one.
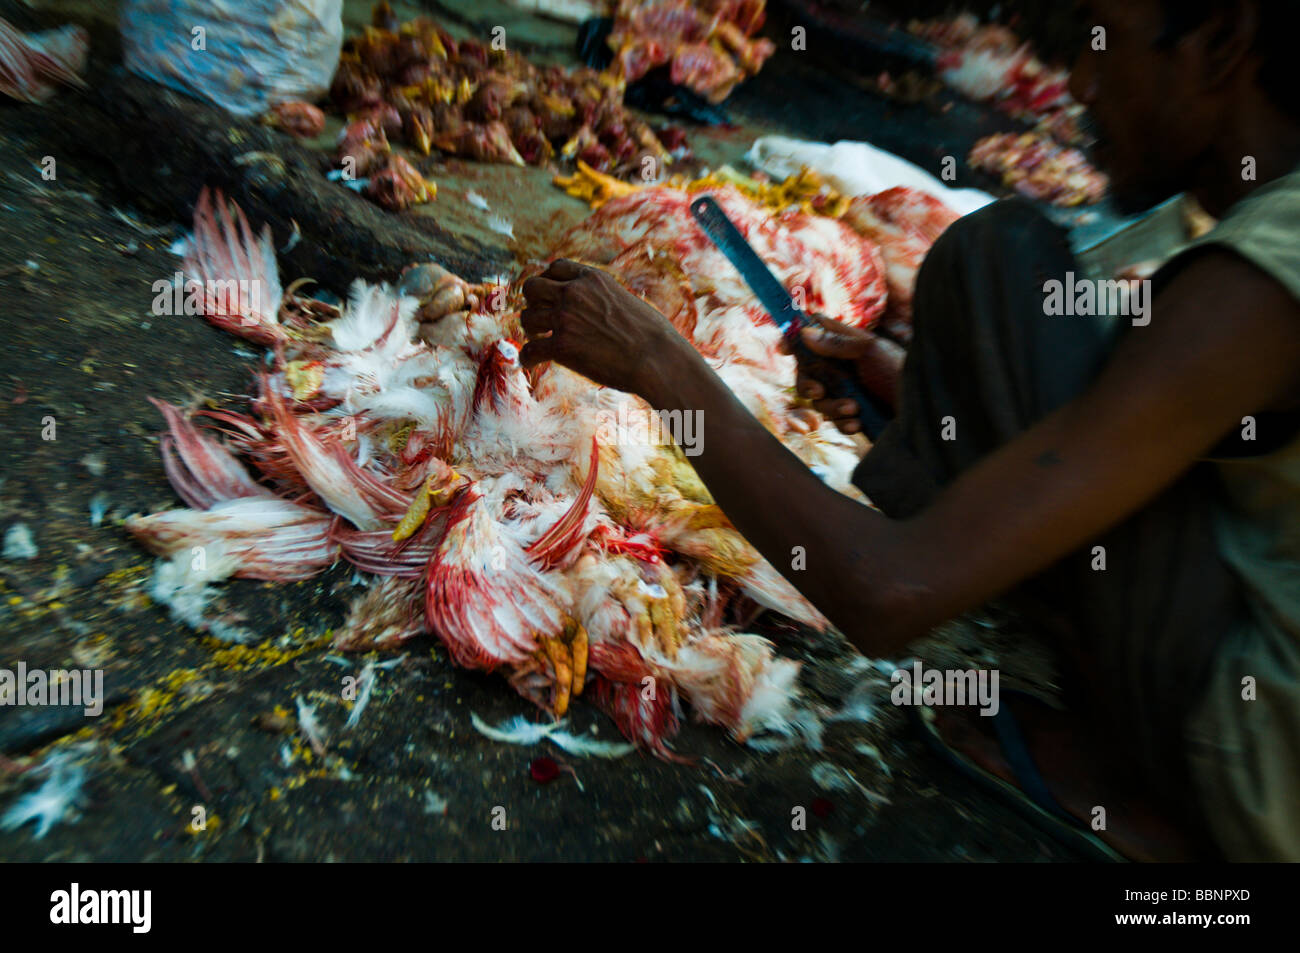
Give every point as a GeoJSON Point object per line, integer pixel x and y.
{"type": "Point", "coordinates": [413, 82]}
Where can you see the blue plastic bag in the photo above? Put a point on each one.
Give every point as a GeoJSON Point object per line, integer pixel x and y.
{"type": "Point", "coordinates": [243, 55]}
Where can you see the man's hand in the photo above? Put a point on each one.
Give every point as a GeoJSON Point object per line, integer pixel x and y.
{"type": "Point", "coordinates": [879, 363]}
{"type": "Point", "coordinates": [583, 318]}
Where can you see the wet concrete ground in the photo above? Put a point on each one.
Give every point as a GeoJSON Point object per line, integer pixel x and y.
{"type": "Point", "coordinates": [194, 723]}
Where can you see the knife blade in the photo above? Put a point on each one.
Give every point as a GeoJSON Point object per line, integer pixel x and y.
{"type": "Point", "coordinates": [771, 293]}
{"type": "Point", "coordinates": [839, 377]}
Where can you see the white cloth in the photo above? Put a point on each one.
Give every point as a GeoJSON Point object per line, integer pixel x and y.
{"type": "Point", "coordinates": [857, 168]}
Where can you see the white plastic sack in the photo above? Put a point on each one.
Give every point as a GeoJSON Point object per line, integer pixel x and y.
{"type": "Point", "coordinates": [243, 55]}
{"type": "Point", "coordinates": [857, 168]}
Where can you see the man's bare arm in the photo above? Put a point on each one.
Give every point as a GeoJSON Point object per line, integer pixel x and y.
{"type": "Point", "coordinates": [1224, 342]}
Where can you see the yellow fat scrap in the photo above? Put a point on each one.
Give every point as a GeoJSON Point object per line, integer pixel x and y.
{"type": "Point", "coordinates": [440, 90]}
{"type": "Point", "coordinates": [707, 535]}
{"type": "Point", "coordinates": [304, 378]}
{"type": "Point", "coordinates": [579, 646]}
{"type": "Point", "coordinates": [397, 440]}
{"type": "Point", "coordinates": [433, 42]}
{"type": "Point", "coordinates": [422, 140]}
{"type": "Point", "coordinates": [594, 188]}
{"type": "Point", "coordinates": [555, 651]}
{"type": "Point", "coordinates": [416, 512]}
{"type": "Point", "coordinates": [806, 190]}
{"type": "Point", "coordinates": [435, 489]}
{"type": "Point", "coordinates": [557, 105]}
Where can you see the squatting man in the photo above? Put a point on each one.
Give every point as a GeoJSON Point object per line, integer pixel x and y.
{"type": "Point", "coordinates": [1182, 657]}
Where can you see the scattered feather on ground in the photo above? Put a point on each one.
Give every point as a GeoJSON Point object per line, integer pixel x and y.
{"type": "Point", "coordinates": [58, 799]}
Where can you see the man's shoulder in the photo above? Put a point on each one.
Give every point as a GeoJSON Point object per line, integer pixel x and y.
{"type": "Point", "coordinates": [1262, 230]}
{"type": "Point", "coordinates": [1236, 273]}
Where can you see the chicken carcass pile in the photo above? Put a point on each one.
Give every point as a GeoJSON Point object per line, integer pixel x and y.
{"type": "Point", "coordinates": [415, 82]}
{"type": "Point", "coordinates": [1039, 167]}
{"type": "Point", "coordinates": [991, 63]}
{"type": "Point", "coordinates": [709, 45]}
{"type": "Point", "coordinates": [528, 522]}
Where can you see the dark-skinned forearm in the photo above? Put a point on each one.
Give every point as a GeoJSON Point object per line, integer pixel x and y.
{"type": "Point", "coordinates": [1166, 395]}
{"type": "Point", "coordinates": [778, 504]}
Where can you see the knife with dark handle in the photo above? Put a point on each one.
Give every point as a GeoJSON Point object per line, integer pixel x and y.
{"type": "Point", "coordinates": [839, 377]}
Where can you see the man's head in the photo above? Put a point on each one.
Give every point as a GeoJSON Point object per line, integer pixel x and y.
{"type": "Point", "coordinates": [1168, 79]}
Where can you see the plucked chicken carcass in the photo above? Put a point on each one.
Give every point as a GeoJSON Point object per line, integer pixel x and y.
{"type": "Point", "coordinates": [709, 45]}
{"type": "Point", "coordinates": [510, 515]}
{"type": "Point", "coordinates": [900, 225]}
{"type": "Point", "coordinates": [414, 83]}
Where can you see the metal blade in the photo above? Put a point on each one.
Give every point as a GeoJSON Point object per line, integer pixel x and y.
{"type": "Point", "coordinates": [843, 382]}
{"type": "Point", "coordinates": [771, 293]}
